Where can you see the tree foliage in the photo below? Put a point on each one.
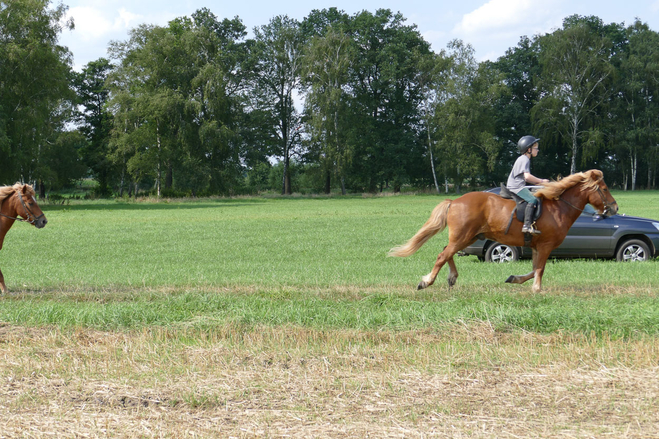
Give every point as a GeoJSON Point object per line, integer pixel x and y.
{"type": "Point", "coordinates": [326, 69]}
{"type": "Point", "coordinates": [332, 102]}
{"type": "Point", "coordinates": [35, 93]}
{"type": "Point", "coordinates": [577, 69]}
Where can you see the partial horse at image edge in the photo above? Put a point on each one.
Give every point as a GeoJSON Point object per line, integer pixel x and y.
{"type": "Point", "coordinates": [17, 203]}
{"type": "Point", "coordinates": [480, 215]}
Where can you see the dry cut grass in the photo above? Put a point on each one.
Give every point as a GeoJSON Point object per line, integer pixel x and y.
{"type": "Point", "coordinates": [467, 380]}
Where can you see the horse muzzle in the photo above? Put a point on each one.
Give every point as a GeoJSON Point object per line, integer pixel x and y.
{"type": "Point", "coordinates": [611, 209]}
{"type": "Point", "coordinates": [40, 222]}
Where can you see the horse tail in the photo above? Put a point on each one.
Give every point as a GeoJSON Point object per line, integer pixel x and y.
{"type": "Point", "coordinates": [435, 224]}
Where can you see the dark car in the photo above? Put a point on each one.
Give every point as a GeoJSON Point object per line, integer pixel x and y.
{"type": "Point", "coordinates": [626, 238]}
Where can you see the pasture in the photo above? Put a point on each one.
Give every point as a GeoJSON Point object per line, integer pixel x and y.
{"type": "Point", "coordinates": [273, 317]}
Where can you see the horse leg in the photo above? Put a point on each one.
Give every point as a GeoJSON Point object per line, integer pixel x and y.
{"type": "Point", "coordinates": [539, 262]}
{"type": "Point", "coordinates": [444, 257]}
{"type": "Point", "coordinates": [523, 278]}
{"type": "Point", "coordinates": [453, 272]}
{"type": "Point", "coordinates": [520, 279]}
{"type": "Point", "coordinates": [3, 286]}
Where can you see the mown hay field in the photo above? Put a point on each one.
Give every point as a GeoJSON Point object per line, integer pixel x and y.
{"type": "Point", "coordinates": [280, 317]}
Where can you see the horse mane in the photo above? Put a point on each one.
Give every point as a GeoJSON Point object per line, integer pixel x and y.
{"type": "Point", "coordinates": [589, 181]}
{"type": "Point", "coordinates": [7, 191]}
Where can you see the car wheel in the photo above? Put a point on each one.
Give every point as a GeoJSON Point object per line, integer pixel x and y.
{"type": "Point", "coordinates": [501, 253]}
{"type": "Point", "coordinates": [633, 250]}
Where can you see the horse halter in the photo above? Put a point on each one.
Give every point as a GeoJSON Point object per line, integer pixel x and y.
{"type": "Point", "coordinates": [607, 205]}
{"type": "Point", "coordinates": [28, 213]}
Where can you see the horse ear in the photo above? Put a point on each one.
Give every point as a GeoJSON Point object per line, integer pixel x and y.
{"type": "Point", "coordinates": [592, 174]}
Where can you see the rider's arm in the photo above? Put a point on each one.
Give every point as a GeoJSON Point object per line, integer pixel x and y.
{"type": "Point", "coordinates": [532, 179]}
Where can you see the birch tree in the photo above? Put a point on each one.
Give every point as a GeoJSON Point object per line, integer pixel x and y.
{"type": "Point", "coordinates": [277, 72]}
{"type": "Point", "coordinates": [326, 69]}
{"type": "Point", "coordinates": [576, 66]}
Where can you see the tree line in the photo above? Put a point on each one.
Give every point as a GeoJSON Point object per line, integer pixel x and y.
{"type": "Point", "coordinates": [335, 102]}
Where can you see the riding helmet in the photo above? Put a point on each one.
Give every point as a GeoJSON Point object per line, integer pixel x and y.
{"type": "Point", "coordinates": [525, 143]}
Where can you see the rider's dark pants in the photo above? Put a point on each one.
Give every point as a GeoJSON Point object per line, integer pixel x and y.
{"type": "Point", "coordinates": [532, 201]}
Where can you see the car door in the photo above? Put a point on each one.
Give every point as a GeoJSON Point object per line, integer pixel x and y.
{"type": "Point", "coordinates": [591, 235]}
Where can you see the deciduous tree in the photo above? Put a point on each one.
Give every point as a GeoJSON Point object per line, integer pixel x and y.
{"type": "Point", "coordinates": [34, 87]}
{"type": "Point", "coordinates": [575, 69]}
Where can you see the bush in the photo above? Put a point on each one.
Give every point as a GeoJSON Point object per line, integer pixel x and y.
{"type": "Point", "coordinates": [54, 197]}
{"type": "Point", "coordinates": [258, 178]}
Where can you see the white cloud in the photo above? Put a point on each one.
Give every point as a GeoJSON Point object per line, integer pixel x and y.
{"type": "Point", "coordinates": [94, 24]}
{"type": "Point", "coordinates": [500, 22]}
{"type": "Point", "coordinates": [496, 14]}
{"type": "Point", "coordinates": [126, 19]}
{"type": "Point", "coordinates": [505, 17]}
{"type": "Point", "coordinates": [654, 7]}
{"type": "Point", "coordinates": [100, 21]}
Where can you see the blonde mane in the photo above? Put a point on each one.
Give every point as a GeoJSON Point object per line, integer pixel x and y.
{"type": "Point", "coordinates": [7, 191]}
{"type": "Point", "coordinates": [589, 181]}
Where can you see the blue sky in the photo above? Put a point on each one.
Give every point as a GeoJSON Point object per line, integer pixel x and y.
{"type": "Point", "coordinates": [491, 27]}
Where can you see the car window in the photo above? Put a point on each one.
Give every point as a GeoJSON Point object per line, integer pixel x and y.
{"type": "Point", "coordinates": [589, 210]}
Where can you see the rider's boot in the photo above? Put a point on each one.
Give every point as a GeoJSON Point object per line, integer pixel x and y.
{"type": "Point", "coordinates": [528, 220]}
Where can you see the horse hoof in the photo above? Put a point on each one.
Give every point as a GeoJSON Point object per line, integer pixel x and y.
{"type": "Point", "coordinates": [422, 285]}
{"type": "Point", "coordinates": [510, 279]}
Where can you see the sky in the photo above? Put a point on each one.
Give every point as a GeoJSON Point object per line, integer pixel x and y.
{"type": "Point", "coordinates": [490, 26]}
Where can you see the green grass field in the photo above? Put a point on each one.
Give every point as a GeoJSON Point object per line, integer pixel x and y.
{"type": "Point", "coordinates": [95, 262]}
{"type": "Point", "coordinates": [223, 302]}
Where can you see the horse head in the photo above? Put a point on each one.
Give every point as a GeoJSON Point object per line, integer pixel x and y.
{"type": "Point", "coordinates": [26, 206]}
{"type": "Point", "coordinates": [599, 196]}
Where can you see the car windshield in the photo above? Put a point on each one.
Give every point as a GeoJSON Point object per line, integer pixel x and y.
{"type": "Point", "coordinates": [590, 210]}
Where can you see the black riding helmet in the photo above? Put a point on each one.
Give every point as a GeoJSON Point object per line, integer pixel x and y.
{"type": "Point", "coordinates": [525, 143]}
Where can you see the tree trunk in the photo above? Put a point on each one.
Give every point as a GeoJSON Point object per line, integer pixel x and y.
{"type": "Point", "coordinates": [158, 178]}
{"type": "Point", "coordinates": [432, 163]}
{"type": "Point", "coordinates": [169, 177]}
{"type": "Point", "coordinates": [123, 168]}
{"type": "Point", "coordinates": [634, 160]}
{"type": "Point", "coordinates": [286, 183]}
{"type": "Point", "coordinates": [339, 153]}
{"type": "Point", "coordinates": [121, 183]}
{"type": "Point", "coordinates": [159, 170]}
{"type": "Point", "coordinates": [575, 146]}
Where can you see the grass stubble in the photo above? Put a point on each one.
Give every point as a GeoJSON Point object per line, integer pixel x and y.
{"type": "Point", "coordinates": [211, 378]}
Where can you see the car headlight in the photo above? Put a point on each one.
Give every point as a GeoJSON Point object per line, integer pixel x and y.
{"type": "Point", "coordinates": [656, 225]}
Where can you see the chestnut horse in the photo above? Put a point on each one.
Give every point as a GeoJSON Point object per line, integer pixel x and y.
{"type": "Point", "coordinates": [480, 215]}
{"type": "Point", "coordinates": [18, 200]}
